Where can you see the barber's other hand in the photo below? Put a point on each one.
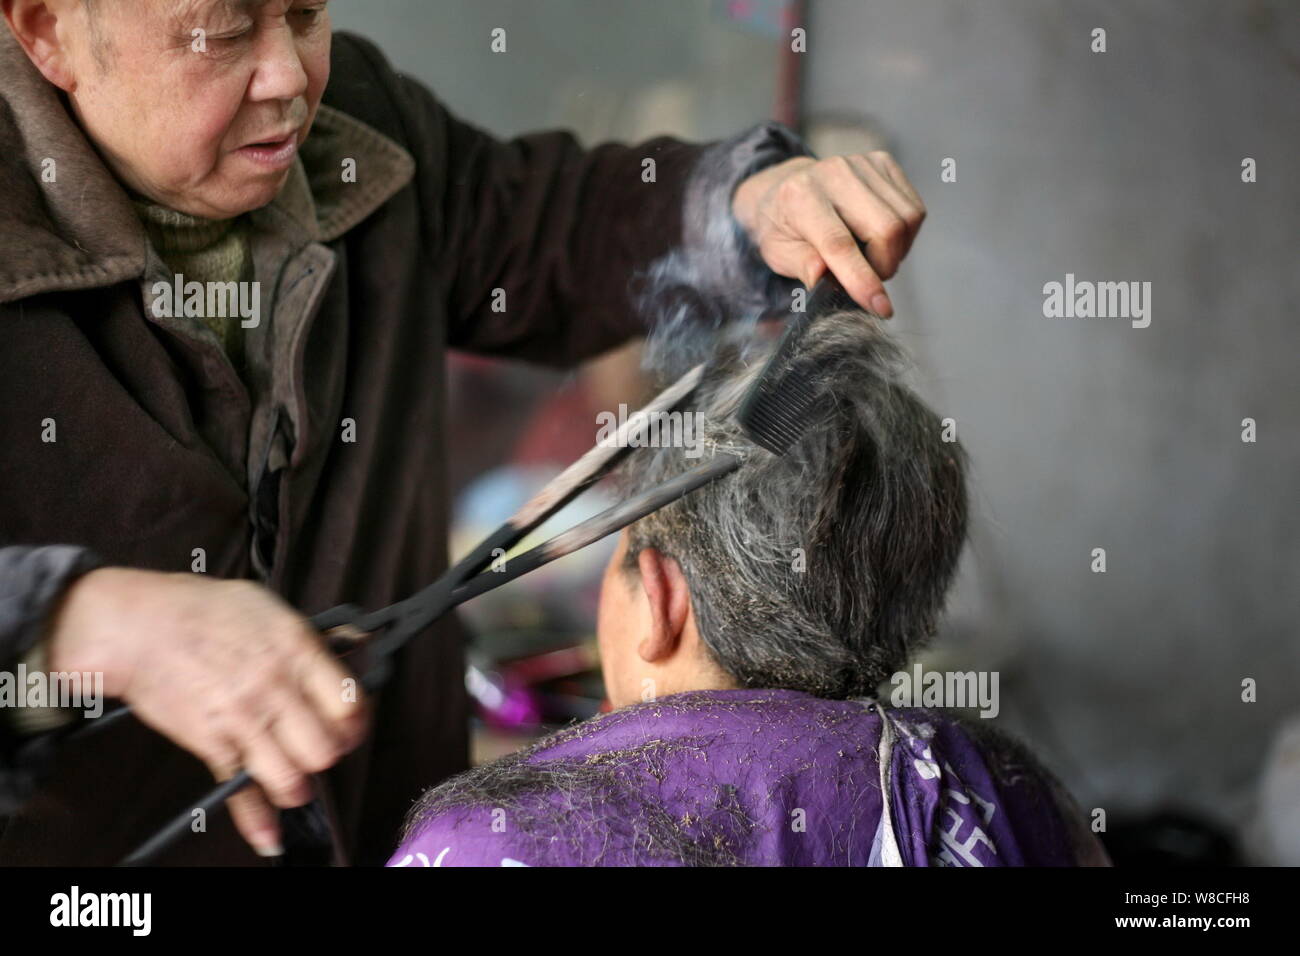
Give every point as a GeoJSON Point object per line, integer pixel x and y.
{"type": "Point", "coordinates": [225, 669]}
{"type": "Point", "coordinates": [807, 215]}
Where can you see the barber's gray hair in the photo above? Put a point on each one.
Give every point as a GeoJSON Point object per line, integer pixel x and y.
{"type": "Point", "coordinates": [820, 570]}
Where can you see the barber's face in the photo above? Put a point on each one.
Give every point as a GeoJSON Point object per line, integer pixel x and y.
{"type": "Point", "coordinates": [201, 105]}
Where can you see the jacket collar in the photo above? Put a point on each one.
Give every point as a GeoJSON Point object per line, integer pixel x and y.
{"type": "Point", "coordinates": [66, 223]}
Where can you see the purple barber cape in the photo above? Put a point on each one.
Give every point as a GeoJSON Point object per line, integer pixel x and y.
{"type": "Point", "coordinates": [755, 778]}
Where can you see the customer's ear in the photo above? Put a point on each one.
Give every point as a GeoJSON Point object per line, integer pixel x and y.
{"type": "Point", "coordinates": [35, 25]}
{"type": "Point", "coordinates": [669, 604]}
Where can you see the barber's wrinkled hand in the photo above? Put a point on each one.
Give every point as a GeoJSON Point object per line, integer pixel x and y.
{"type": "Point", "coordinates": [807, 215]}
{"type": "Point", "coordinates": [226, 670]}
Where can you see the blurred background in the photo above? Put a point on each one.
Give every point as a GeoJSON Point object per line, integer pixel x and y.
{"type": "Point", "coordinates": [1084, 433]}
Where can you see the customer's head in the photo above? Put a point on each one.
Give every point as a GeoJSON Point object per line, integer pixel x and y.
{"type": "Point", "coordinates": [196, 104]}
{"type": "Point", "coordinates": [820, 570]}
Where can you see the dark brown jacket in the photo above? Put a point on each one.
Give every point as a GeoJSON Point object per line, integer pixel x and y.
{"type": "Point", "coordinates": [161, 448]}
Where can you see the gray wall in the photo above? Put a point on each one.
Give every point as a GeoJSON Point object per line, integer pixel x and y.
{"type": "Point", "coordinates": [603, 68]}
{"type": "Point", "coordinates": [1089, 433]}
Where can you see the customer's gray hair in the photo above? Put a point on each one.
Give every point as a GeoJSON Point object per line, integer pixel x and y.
{"type": "Point", "coordinates": [870, 502]}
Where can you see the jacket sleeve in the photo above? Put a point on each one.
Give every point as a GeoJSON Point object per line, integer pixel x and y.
{"type": "Point", "coordinates": [552, 252]}
{"type": "Point", "coordinates": [32, 581]}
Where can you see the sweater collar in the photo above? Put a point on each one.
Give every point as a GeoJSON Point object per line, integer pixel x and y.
{"type": "Point", "coordinates": [68, 224]}
{"type": "Point", "coordinates": [178, 232]}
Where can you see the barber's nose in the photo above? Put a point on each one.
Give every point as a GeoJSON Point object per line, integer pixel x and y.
{"type": "Point", "coordinates": [279, 74]}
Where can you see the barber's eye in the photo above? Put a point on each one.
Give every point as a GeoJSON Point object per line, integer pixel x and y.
{"type": "Point", "coordinates": [230, 37]}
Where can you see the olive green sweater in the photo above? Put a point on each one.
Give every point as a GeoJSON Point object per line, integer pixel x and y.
{"type": "Point", "coordinates": [203, 250]}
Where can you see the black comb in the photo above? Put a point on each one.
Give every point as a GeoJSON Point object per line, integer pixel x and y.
{"type": "Point", "coordinates": [783, 399]}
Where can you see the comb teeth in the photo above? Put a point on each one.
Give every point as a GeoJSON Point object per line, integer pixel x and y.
{"type": "Point", "coordinates": [781, 401]}
{"type": "Point", "coordinates": [777, 413]}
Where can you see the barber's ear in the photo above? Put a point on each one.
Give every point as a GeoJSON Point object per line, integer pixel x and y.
{"type": "Point", "coordinates": [45, 41]}
{"type": "Point", "coordinates": [669, 601]}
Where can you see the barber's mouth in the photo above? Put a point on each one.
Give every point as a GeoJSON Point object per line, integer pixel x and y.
{"type": "Point", "coordinates": [275, 154]}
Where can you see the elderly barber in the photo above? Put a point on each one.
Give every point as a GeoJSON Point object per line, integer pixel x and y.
{"type": "Point", "coordinates": [290, 448]}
